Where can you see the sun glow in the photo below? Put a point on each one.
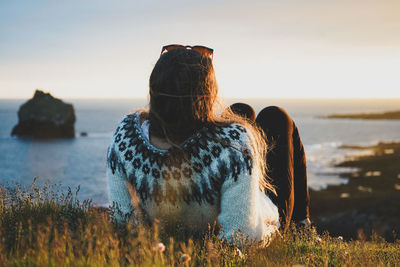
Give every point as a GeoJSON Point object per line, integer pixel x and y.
{"type": "Point", "coordinates": [306, 49]}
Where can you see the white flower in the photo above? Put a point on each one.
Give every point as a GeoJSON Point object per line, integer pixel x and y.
{"type": "Point", "coordinates": [160, 247]}
{"type": "Point", "coordinates": [239, 253]}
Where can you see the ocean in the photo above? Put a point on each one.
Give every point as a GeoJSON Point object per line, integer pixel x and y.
{"type": "Point", "coordinates": [82, 161]}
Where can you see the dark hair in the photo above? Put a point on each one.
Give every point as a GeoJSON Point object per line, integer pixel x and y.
{"type": "Point", "coordinates": [183, 90]}
{"type": "Point", "coordinates": [183, 97]}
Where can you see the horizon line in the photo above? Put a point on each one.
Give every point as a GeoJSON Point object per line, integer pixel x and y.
{"type": "Point", "coordinates": [233, 97]}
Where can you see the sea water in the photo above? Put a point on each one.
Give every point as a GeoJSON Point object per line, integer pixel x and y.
{"type": "Point", "coordinates": [82, 161]}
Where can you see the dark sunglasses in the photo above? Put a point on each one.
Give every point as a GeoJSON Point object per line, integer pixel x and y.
{"type": "Point", "coordinates": [205, 51]}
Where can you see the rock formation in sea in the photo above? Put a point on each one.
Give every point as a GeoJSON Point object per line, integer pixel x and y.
{"type": "Point", "coordinates": [44, 116]}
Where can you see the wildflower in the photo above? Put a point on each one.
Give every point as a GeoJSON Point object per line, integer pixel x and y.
{"type": "Point", "coordinates": [160, 247]}
{"type": "Point", "coordinates": [340, 238]}
{"type": "Point", "coordinates": [184, 258]}
{"type": "Point", "coordinates": [239, 253]}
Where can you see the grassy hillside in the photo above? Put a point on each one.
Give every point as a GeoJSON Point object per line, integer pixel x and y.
{"type": "Point", "coordinates": [45, 227]}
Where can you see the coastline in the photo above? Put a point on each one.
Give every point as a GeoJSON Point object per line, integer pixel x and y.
{"type": "Point", "coordinates": [389, 115]}
{"type": "Point", "coordinates": [369, 202]}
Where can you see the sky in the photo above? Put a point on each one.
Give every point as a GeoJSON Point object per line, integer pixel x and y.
{"type": "Point", "coordinates": [268, 49]}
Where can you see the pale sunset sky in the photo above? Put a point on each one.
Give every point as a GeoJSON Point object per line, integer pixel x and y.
{"type": "Point", "coordinates": [270, 48]}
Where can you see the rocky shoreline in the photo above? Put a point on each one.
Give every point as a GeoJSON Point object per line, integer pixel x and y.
{"type": "Point", "coordinates": [369, 203]}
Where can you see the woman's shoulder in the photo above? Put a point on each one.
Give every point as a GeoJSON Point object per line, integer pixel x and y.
{"type": "Point", "coordinates": [131, 121]}
{"type": "Point", "coordinates": [127, 122]}
{"type": "Point", "coordinates": [135, 117]}
{"type": "Point", "coordinates": [128, 128]}
{"type": "Point", "coordinates": [235, 132]}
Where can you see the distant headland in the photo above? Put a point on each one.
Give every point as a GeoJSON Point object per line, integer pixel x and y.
{"type": "Point", "coordinates": [389, 115]}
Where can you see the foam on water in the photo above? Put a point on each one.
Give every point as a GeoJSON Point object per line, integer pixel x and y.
{"type": "Point", "coordinates": [321, 161]}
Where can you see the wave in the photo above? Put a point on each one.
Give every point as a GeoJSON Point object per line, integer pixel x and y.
{"type": "Point", "coordinates": [322, 159]}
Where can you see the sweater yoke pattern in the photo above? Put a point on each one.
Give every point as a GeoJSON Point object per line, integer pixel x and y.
{"type": "Point", "coordinates": [150, 170]}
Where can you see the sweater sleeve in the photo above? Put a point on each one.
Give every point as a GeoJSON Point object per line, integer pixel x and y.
{"type": "Point", "coordinates": [244, 207]}
{"type": "Point", "coordinates": [119, 196]}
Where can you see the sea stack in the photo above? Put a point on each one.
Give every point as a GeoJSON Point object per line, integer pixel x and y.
{"type": "Point", "coordinates": [45, 117]}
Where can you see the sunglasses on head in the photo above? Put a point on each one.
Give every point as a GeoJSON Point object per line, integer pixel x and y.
{"type": "Point", "coordinates": [205, 51]}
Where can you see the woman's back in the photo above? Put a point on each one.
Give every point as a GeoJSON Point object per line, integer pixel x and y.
{"type": "Point", "coordinates": [212, 179]}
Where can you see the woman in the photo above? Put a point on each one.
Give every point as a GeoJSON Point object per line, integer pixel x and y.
{"type": "Point", "coordinates": [181, 163]}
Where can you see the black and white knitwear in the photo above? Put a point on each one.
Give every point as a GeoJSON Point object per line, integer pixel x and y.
{"type": "Point", "coordinates": [212, 178]}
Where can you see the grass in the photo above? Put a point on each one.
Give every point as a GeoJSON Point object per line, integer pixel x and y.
{"type": "Point", "coordinates": [40, 226]}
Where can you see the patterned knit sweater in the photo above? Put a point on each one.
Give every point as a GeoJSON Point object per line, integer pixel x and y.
{"type": "Point", "coordinates": [213, 180]}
